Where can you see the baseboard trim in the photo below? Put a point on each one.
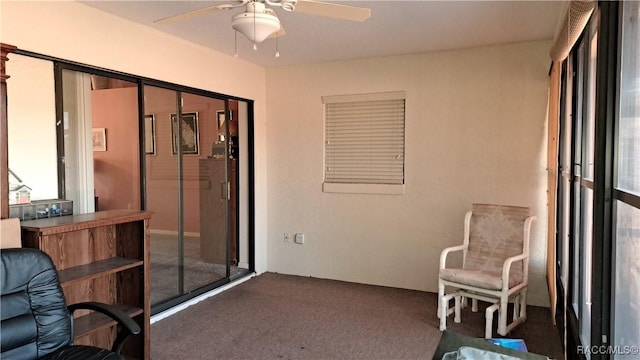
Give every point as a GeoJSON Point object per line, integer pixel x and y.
{"type": "Point", "coordinates": [197, 299]}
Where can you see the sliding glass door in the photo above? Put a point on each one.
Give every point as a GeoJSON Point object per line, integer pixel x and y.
{"type": "Point", "coordinates": [599, 217]}
{"type": "Point", "coordinates": [112, 141]}
{"type": "Point", "coordinates": [191, 183]}
{"type": "Point", "coordinates": [163, 193]}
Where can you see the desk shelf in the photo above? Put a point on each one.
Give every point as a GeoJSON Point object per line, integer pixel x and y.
{"type": "Point", "coordinates": [102, 257]}
{"type": "Point", "coordinates": [97, 269]}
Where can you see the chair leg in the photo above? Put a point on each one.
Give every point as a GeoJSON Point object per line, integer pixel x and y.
{"type": "Point", "coordinates": [457, 300]}
{"type": "Point", "coordinates": [444, 310]}
{"type": "Point", "coordinates": [489, 320]}
{"type": "Point", "coordinates": [520, 316]}
{"type": "Point", "coordinates": [523, 304]}
{"type": "Point", "coordinates": [443, 320]}
{"type": "Point", "coordinates": [474, 305]}
{"type": "Point", "coordinates": [440, 296]}
{"type": "Point", "coordinates": [502, 315]}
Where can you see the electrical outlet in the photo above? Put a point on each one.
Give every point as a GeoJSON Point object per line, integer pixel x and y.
{"type": "Point", "coordinates": [287, 237]}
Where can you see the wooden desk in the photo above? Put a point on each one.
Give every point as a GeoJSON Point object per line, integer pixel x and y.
{"type": "Point", "coordinates": [104, 257]}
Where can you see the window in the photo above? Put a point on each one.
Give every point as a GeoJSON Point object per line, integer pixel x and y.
{"type": "Point", "coordinates": [626, 273]}
{"type": "Point", "coordinates": [583, 178]}
{"type": "Point", "coordinates": [364, 143]}
{"type": "Point", "coordinates": [602, 210]}
{"type": "Point", "coordinates": [629, 107]}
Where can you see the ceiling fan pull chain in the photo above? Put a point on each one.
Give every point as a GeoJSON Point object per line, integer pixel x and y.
{"type": "Point", "coordinates": [255, 46]}
{"type": "Point", "coordinates": [235, 43]}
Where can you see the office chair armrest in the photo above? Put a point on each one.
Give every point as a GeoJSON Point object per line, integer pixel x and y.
{"type": "Point", "coordinates": [506, 268]}
{"type": "Point", "coordinates": [446, 251]}
{"type": "Point", "coordinates": [127, 324]}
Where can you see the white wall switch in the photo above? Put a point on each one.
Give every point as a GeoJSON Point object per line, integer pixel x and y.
{"type": "Point", "coordinates": [299, 238]}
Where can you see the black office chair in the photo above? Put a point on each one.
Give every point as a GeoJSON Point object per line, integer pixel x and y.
{"type": "Point", "coordinates": [36, 322]}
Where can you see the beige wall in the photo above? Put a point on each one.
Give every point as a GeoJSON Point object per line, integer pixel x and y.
{"type": "Point", "coordinates": [475, 132]}
{"type": "Point", "coordinates": [76, 32]}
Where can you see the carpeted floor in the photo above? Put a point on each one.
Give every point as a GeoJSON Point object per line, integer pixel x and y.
{"type": "Point", "coordinates": [275, 316]}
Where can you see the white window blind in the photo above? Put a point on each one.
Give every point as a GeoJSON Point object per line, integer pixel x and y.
{"type": "Point", "coordinates": [364, 138]}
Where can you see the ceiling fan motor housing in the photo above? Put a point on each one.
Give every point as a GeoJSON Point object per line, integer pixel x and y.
{"type": "Point", "coordinates": [257, 23]}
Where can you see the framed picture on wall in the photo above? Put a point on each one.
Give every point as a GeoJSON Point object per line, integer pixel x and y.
{"type": "Point", "coordinates": [220, 115]}
{"type": "Point", "coordinates": [149, 135]}
{"type": "Point", "coordinates": [99, 139]}
{"type": "Point", "coordinates": [189, 128]}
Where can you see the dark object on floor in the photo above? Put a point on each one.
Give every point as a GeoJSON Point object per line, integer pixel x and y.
{"type": "Point", "coordinates": [36, 322]}
{"type": "Point", "coordinates": [451, 341]}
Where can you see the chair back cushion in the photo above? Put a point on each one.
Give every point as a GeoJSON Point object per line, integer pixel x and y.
{"type": "Point", "coordinates": [34, 317]}
{"type": "Point", "coordinates": [496, 232]}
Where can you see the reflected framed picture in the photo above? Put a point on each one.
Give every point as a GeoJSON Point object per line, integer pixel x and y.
{"type": "Point", "coordinates": [149, 135]}
{"type": "Point", "coordinates": [220, 115]}
{"type": "Point", "coordinates": [188, 128]}
{"type": "Point", "coordinates": [99, 139]}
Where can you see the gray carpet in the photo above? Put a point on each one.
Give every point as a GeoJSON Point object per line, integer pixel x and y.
{"type": "Point", "coordinates": [276, 316]}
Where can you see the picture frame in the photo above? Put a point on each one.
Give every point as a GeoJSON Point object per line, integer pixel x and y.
{"type": "Point", "coordinates": [189, 129]}
{"type": "Point", "coordinates": [221, 118]}
{"type": "Point", "coordinates": [220, 115]}
{"type": "Point", "coordinates": [149, 135]}
{"type": "Point", "coordinates": [99, 136]}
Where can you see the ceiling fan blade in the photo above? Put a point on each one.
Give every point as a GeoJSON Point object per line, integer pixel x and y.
{"type": "Point", "coordinates": [194, 13]}
{"type": "Point", "coordinates": [333, 10]}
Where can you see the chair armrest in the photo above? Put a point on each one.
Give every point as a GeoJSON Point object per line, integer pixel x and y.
{"type": "Point", "coordinates": [446, 251]}
{"type": "Point", "coordinates": [128, 325]}
{"type": "Point", "coordinates": [506, 268]}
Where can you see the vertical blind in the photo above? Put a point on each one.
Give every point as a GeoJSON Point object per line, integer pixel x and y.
{"type": "Point", "coordinates": [364, 138]}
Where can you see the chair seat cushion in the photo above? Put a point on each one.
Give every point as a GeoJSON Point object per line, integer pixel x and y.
{"type": "Point", "coordinates": [477, 278]}
{"type": "Point", "coordinates": [82, 352]}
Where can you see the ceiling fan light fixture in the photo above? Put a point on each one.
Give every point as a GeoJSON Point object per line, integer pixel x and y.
{"type": "Point", "coordinates": [256, 26]}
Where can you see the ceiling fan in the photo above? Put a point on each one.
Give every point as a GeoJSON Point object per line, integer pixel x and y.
{"type": "Point", "coordinates": [258, 22]}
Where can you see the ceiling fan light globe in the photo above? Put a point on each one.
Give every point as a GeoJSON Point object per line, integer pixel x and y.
{"type": "Point", "coordinates": [256, 26]}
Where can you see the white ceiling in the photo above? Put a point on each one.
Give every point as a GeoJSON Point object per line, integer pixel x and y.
{"type": "Point", "coordinates": [395, 27]}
